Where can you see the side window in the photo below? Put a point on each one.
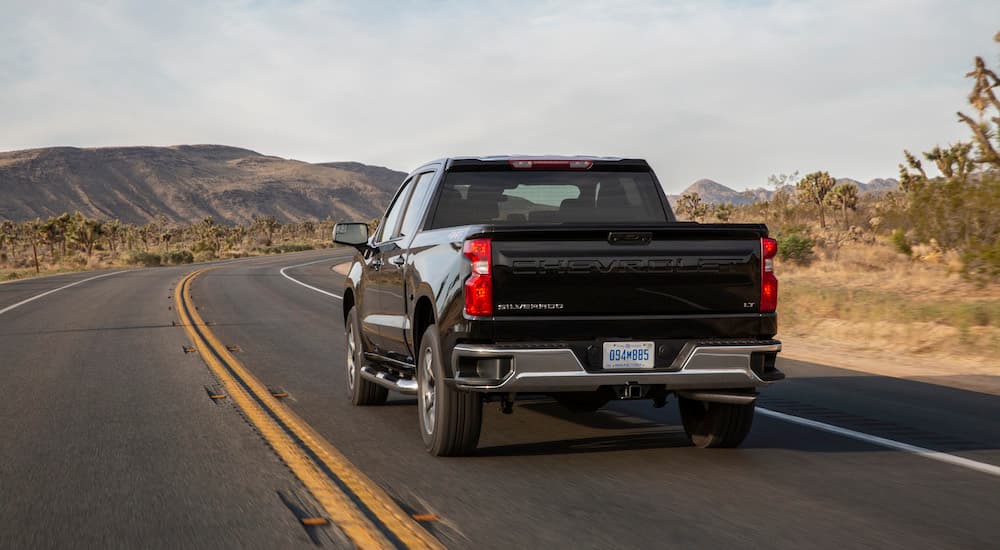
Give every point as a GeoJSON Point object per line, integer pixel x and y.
{"type": "Point", "coordinates": [415, 211]}
{"type": "Point", "coordinates": [392, 215]}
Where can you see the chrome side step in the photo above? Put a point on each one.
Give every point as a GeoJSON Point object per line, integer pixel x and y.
{"type": "Point", "coordinates": [402, 385]}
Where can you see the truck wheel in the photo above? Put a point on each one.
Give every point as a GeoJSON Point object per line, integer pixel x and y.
{"type": "Point", "coordinates": [361, 391]}
{"type": "Point", "coordinates": [450, 419]}
{"type": "Point", "coordinates": [710, 424]}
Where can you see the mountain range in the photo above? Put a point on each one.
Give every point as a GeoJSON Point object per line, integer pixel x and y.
{"type": "Point", "coordinates": [185, 183]}
{"type": "Point", "coordinates": [712, 192]}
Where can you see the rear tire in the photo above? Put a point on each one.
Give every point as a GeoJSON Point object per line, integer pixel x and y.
{"type": "Point", "coordinates": [450, 419]}
{"type": "Point", "coordinates": [361, 392]}
{"type": "Point", "coordinates": [715, 425]}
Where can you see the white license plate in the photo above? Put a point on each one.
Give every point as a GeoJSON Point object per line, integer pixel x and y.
{"type": "Point", "coordinates": [628, 355]}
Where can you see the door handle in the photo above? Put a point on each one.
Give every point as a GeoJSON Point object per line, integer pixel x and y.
{"type": "Point", "coordinates": [398, 261]}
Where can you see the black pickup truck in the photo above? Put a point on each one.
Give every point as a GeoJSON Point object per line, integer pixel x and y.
{"type": "Point", "coordinates": [492, 277]}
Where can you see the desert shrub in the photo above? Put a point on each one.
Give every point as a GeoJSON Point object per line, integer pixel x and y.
{"type": "Point", "coordinates": [283, 248]}
{"type": "Point", "coordinates": [146, 259]}
{"type": "Point", "coordinates": [900, 242]}
{"type": "Point", "coordinates": [204, 256]}
{"type": "Point", "coordinates": [177, 257]}
{"type": "Point", "coordinates": [983, 314]}
{"type": "Point", "coordinates": [203, 245]}
{"type": "Point", "coordinates": [795, 246]}
{"type": "Point", "coordinates": [13, 275]}
{"type": "Point", "coordinates": [982, 260]}
{"type": "Point", "coordinates": [959, 215]}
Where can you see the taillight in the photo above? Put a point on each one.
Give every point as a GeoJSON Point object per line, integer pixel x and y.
{"type": "Point", "coordinates": [479, 286]}
{"type": "Point", "coordinates": [768, 282]}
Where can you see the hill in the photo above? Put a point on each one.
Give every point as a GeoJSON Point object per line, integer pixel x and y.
{"type": "Point", "coordinates": [386, 179]}
{"type": "Point", "coordinates": [185, 183]}
{"type": "Point", "coordinates": [712, 192]}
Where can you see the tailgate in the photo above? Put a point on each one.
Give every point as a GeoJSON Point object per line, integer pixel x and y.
{"type": "Point", "coordinates": [681, 269]}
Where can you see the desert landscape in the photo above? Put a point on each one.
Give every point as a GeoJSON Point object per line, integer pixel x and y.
{"type": "Point", "coordinates": [241, 306]}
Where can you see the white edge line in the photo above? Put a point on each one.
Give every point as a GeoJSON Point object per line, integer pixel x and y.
{"type": "Point", "coordinates": [64, 287]}
{"type": "Point", "coordinates": [883, 442]}
{"type": "Point", "coordinates": [310, 287]}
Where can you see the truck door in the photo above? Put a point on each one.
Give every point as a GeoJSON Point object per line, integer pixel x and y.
{"type": "Point", "coordinates": [394, 293]}
{"type": "Point", "coordinates": [377, 279]}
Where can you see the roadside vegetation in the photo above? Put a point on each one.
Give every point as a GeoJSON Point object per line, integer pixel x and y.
{"type": "Point", "coordinates": [73, 242]}
{"type": "Point", "coordinates": [913, 270]}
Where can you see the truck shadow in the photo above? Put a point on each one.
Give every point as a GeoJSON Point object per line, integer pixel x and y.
{"type": "Point", "coordinates": [917, 413]}
{"type": "Point", "coordinates": [656, 439]}
{"type": "Point", "coordinates": [604, 419]}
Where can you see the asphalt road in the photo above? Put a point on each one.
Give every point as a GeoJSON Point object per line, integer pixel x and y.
{"type": "Point", "coordinates": [108, 439]}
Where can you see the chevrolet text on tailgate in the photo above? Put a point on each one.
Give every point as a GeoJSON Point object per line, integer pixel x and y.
{"type": "Point", "coordinates": [494, 277]}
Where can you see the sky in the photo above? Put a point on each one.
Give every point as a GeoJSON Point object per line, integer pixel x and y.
{"type": "Point", "coordinates": [731, 90]}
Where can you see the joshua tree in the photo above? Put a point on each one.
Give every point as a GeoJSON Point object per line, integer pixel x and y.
{"type": "Point", "coordinates": [782, 180]}
{"type": "Point", "coordinates": [165, 239]}
{"type": "Point", "coordinates": [112, 231]}
{"type": "Point", "coordinates": [85, 231]}
{"type": "Point", "coordinates": [844, 196]}
{"type": "Point", "coordinates": [690, 205]}
{"type": "Point", "coordinates": [211, 233]}
{"type": "Point", "coordinates": [309, 228]}
{"type": "Point", "coordinates": [909, 181]}
{"type": "Point", "coordinates": [987, 128]}
{"type": "Point", "coordinates": [267, 225]}
{"type": "Point", "coordinates": [54, 232]}
{"type": "Point", "coordinates": [235, 235]}
{"type": "Point", "coordinates": [953, 161]}
{"type": "Point", "coordinates": [8, 234]}
{"type": "Point", "coordinates": [34, 233]}
{"type": "Point", "coordinates": [723, 212]}
{"type": "Point", "coordinates": [814, 188]}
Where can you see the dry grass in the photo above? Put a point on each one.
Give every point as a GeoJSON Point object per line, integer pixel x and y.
{"type": "Point", "coordinates": [76, 262]}
{"type": "Point", "coordinates": [872, 298]}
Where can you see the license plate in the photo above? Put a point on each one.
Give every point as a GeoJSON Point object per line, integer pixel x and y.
{"type": "Point", "coordinates": [628, 355]}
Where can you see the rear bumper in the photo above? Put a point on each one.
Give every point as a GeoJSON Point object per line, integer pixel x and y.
{"type": "Point", "coordinates": [700, 366]}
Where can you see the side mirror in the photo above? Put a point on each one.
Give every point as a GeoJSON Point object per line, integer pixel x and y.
{"type": "Point", "coordinates": [351, 233]}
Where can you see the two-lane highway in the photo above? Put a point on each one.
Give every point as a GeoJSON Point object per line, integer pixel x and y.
{"type": "Point", "coordinates": [111, 439]}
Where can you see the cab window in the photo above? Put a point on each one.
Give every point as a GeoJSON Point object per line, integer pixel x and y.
{"type": "Point", "coordinates": [388, 226]}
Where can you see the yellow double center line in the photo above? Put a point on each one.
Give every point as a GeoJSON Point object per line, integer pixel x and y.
{"type": "Point", "coordinates": [359, 507]}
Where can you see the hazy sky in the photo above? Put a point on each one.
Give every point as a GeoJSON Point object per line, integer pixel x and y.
{"type": "Point", "coordinates": [732, 91]}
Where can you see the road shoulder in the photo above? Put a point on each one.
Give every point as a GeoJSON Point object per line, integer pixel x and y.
{"type": "Point", "coordinates": [979, 375]}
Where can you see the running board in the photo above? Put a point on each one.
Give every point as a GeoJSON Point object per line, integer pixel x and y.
{"type": "Point", "coordinates": [402, 385]}
{"type": "Point", "coordinates": [720, 397]}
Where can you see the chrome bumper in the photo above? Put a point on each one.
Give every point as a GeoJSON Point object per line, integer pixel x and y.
{"type": "Point", "coordinates": [698, 367]}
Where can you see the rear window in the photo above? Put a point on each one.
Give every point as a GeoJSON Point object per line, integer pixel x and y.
{"type": "Point", "coordinates": [516, 197]}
